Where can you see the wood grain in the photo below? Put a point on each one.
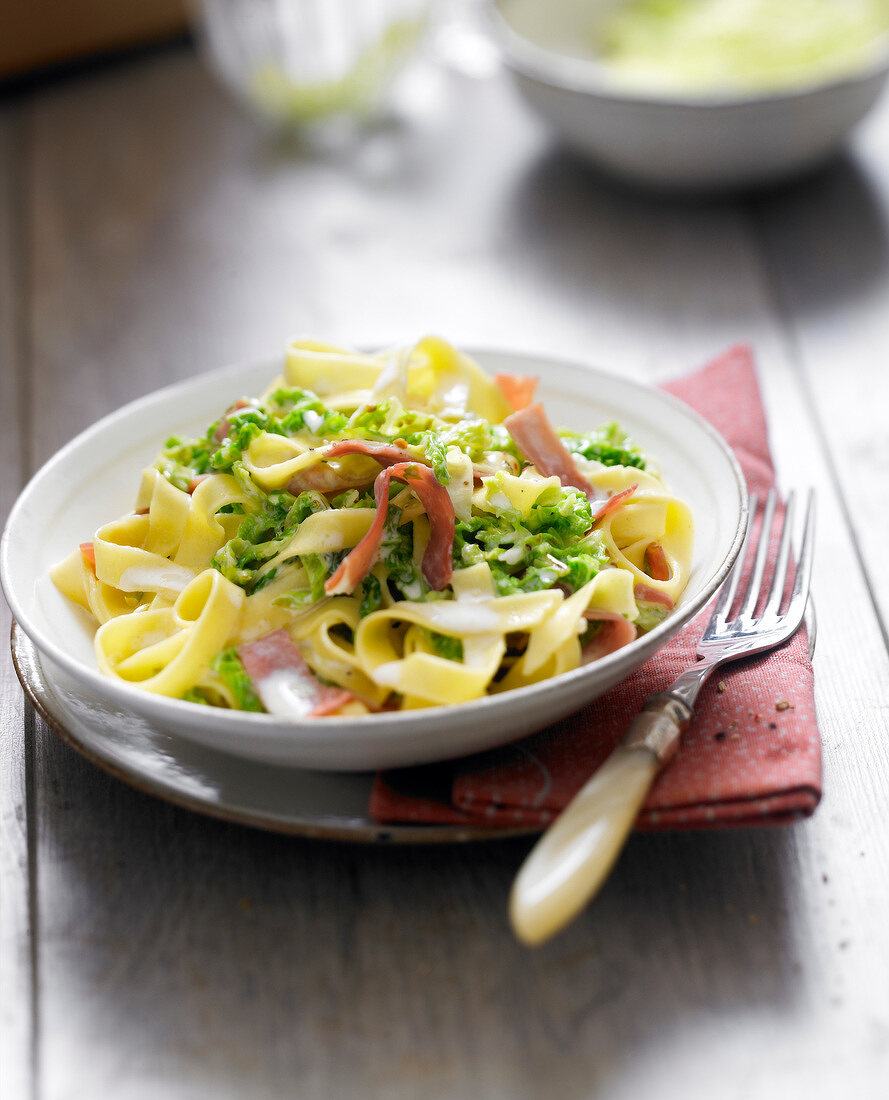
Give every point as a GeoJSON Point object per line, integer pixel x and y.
{"type": "Point", "coordinates": [16, 945]}
{"type": "Point", "coordinates": [181, 957]}
{"type": "Point", "coordinates": [827, 251]}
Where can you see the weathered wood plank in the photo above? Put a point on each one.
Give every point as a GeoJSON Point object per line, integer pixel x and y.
{"type": "Point", "coordinates": [16, 1005]}
{"type": "Point", "coordinates": [182, 957]}
{"type": "Point", "coordinates": [827, 249]}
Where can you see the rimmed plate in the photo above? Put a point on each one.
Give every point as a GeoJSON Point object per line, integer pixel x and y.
{"type": "Point", "coordinates": [94, 477]}
{"type": "Point", "coordinates": [320, 805]}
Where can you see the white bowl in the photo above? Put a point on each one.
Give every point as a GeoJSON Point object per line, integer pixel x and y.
{"type": "Point", "coordinates": [95, 476]}
{"type": "Point", "coordinates": [707, 142]}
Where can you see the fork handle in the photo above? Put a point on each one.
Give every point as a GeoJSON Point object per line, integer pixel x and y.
{"type": "Point", "coordinates": [574, 856]}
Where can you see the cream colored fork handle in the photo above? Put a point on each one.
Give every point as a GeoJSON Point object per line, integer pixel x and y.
{"type": "Point", "coordinates": [573, 857]}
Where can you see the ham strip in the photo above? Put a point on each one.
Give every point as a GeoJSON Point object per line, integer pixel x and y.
{"type": "Point", "coordinates": [326, 479]}
{"type": "Point", "coordinates": [362, 558]}
{"type": "Point", "coordinates": [495, 463]}
{"type": "Point", "coordinates": [88, 552]}
{"type": "Point", "coordinates": [225, 425]}
{"type": "Point", "coordinates": [647, 594]}
{"type": "Point", "coordinates": [656, 560]}
{"type": "Point", "coordinates": [284, 682]}
{"type": "Point", "coordinates": [614, 633]}
{"type": "Point", "coordinates": [387, 454]}
{"type": "Point", "coordinates": [614, 502]}
{"type": "Point", "coordinates": [437, 562]}
{"type": "Point", "coordinates": [518, 389]}
{"type": "Point", "coordinates": [195, 482]}
{"type": "Point", "coordinates": [536, 438]}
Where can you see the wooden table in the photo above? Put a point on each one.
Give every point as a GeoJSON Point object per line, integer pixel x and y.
{"type": "Point", "coordinates": [149, 231]}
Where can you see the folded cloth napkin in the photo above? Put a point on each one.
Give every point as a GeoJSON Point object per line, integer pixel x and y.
{"type": "Point", "coordinates": [753, 753]}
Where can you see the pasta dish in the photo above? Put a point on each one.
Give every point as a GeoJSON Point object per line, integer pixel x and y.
{"type": "Point", "coordinates": [380, 532]}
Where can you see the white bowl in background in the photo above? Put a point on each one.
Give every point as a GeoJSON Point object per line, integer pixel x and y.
{"type": "Point", "coordinates": [681, 142]}
{"type": "Point", "coordinates": [94, 478]}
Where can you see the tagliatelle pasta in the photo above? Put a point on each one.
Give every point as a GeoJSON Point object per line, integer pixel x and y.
{"type": "Point", "coordinates": [380, 531]}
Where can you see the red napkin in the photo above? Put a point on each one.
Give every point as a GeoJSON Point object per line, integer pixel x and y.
{"type": "Point", "coordinates": [753, 753]}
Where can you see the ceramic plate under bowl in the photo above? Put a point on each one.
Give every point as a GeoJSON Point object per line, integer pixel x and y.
{"type": "Point", "coordinates": [321, 805]}
{"type": "Point", "coordinates": [95, 477]}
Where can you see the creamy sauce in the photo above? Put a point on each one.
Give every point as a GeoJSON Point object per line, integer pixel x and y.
{"type": "Point", "coordinates": [286, 693]}
{"type": "Point", "coordinates": [501, 502]}
{"type": "Point", "coordinates": [512, 556]}
{"type": "Point", "coordinates": [456, 399]}
{"type": "Point", "coordinates": [450, 617]}
{"type": "Point", "coordinates": [312, 420]}
{"type": "Point", "coordinates": [143, 578]}
{"type": "Point", "coordinates": [477, 650]}
{"type": "Point", "coordinates": [459, 488]}
{"type": "Point", "coordinates": [413, 590]}
{"type": "Point", "coordinates": [393, 377]}
{"type": "Point", "coordinates": [329, 541]}
{"type": "Point", "coordinates": [388, 674]}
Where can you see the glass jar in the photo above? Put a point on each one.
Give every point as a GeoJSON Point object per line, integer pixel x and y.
{"type": "Point", "coordinates": [303, 63]}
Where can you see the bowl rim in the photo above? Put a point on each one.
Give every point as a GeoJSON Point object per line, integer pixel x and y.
{"type": "Point", "coordinates": [163, 707]}
{"type": "Point", "coordinates": [585, 77]}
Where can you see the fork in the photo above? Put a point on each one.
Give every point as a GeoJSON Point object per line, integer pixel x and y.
{"type": "Point", "coordinates": [572, 859]}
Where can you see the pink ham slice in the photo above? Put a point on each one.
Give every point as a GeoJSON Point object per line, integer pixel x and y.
{"type": "Point", "coordinates": [284, 682]}
{"type": "Point", "coordinates": [645, 593]}
{"type": "Point", "coordinates": [88, 553]}
{"type": "Point", "coordinates": [195, 482]}
{"type": "Point", "coordinates": [536, 438]}
{"type": "Point", "coordinates": [496, 462]}
{"type": "Point", "coordinates": [225, 425]}
{"type": "Point", "coordinates": [387, 454]}
{"type": "Point", "coordinates": [614, 633]}
{"type": "Point", "coordinates": [437, 561]}
{"type": "Point", "coordinates": [325, 479]}
{"type": "Point", "coordinates": [518, 389]}
{"type": "Point", "coordinates": [613, 503]}
{"type": "Point", "coordinates": [658, 566]}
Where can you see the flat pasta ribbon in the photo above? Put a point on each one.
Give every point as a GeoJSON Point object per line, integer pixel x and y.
{"type": "Point", "coordinates": [652, 516]}
{"type": "Point", "coordinates": [379, 643]}
{"type": "Point", "coordinates": [168, 650]}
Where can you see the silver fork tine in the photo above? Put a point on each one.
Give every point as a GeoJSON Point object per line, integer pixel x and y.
{"type": "Point", "coordinates": [800, 595]}
{"type": "Point", "coordinates": [730, 587]}
{"type": "Point", "coordinates": [751, 594]}
{"type": "Point", "coordinates": [776, 592]}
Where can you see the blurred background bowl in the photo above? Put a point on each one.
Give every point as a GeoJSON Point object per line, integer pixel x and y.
{"type": "Point", "coordinates": [703, 139]}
